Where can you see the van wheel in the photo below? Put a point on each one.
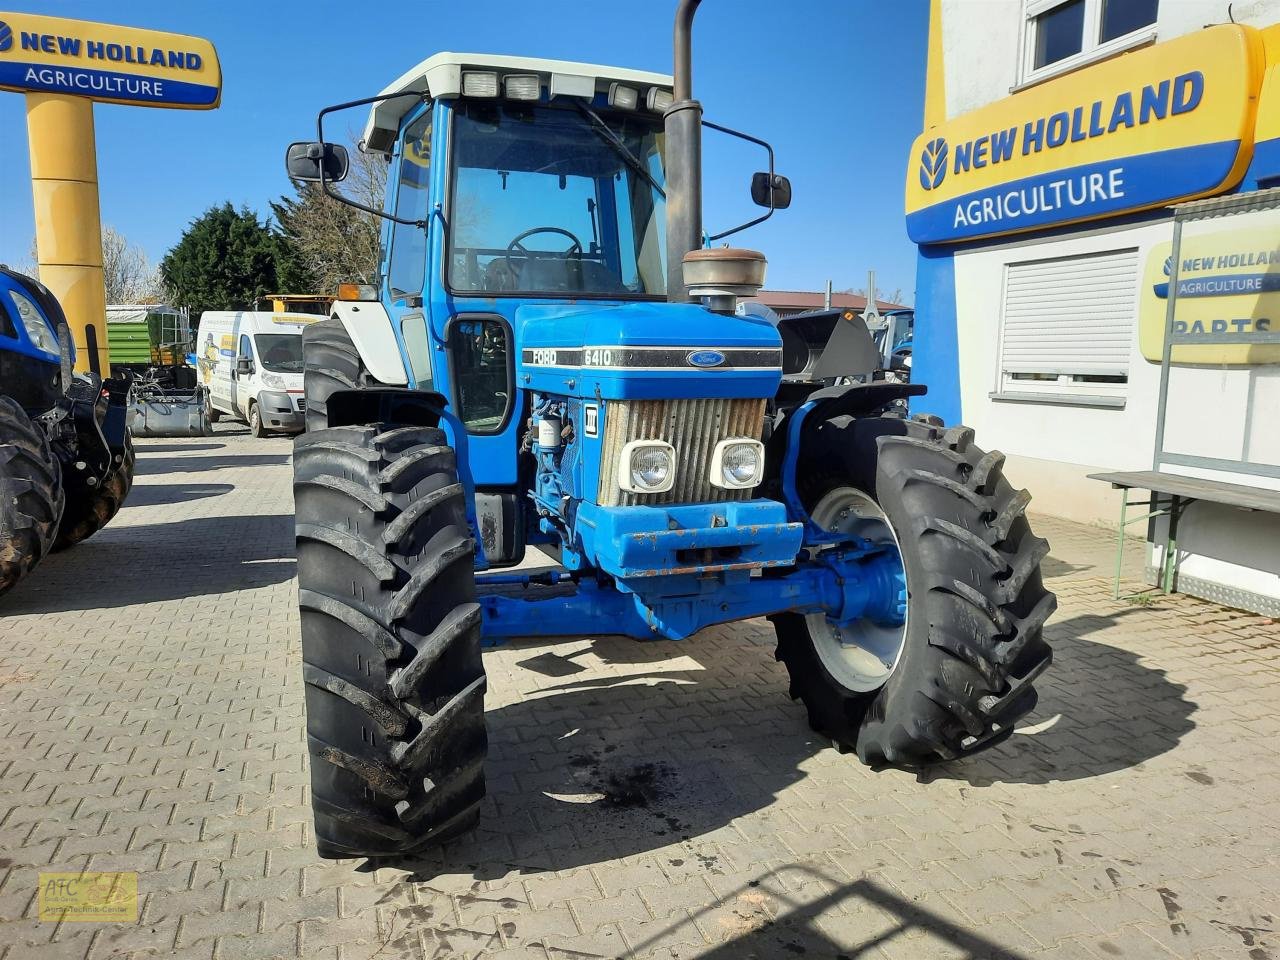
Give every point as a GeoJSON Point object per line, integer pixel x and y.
{"type": "Point", "coordinates": [390, 639]}
{"type": "Point", "coordinates": [31, 497]}
{"type": "Point", "coordinates": [256, 428]}
{"type": "Point", "coordinates": [214, 414]}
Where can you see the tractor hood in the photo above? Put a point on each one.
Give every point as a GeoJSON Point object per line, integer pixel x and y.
{"type": "Point", "coordinates": [646, 351]}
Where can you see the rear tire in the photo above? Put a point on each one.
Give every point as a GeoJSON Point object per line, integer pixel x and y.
{"type": "Point", "coordinates": [31, 497]}
{"type": "Point", "coordinates": [332, 363]}
{"type": "Point", "coordinates": [390, 640]}
{"type": "Point", "coordinates": [976, 605]}
{"type": "Point", "coordinates": [85, 516]}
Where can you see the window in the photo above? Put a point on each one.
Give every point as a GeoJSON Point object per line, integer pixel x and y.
{"type": "Point", "coordinates": [280, 352]}
{"type": "Point", "coordinates": [555, 201]}
{"type": "Point", "coordinates": [408, 267]}
{"type": "Point", "coordinates": [480, 354]}
{"type": "Point", "coordinates": [1061, 34]}
{"type": "Point", "coordinates": [1067, 326]}
{"type": "Point", "coordinates": [246, 348]}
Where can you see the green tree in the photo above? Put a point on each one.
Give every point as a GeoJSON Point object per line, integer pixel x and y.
{"type": "Point", "coordinates": [228, 260]}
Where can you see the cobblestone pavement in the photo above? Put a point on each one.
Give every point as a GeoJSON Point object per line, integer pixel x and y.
{"type": "Point", "coordinates": [649, 800]}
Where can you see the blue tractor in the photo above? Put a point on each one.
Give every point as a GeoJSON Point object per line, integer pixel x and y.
{"type": "Point", "coordinates": [553, 360]}
{"type": "Point", "coordinates": [66, 458]}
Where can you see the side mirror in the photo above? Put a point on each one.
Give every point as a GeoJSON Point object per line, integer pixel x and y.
{"type": "Point", "coordinates": [760, 189]}
{"type": "Point", "coordinates": [244, 366]}
{"type": "Point", "coordinates": [304, 161]}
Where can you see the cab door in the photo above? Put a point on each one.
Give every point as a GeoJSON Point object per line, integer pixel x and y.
{"type": "Point", "coordinates": [405, 265]}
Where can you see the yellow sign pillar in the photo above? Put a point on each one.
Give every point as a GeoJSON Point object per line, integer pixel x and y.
{"type": "Point", "coordinates": [64, 186]}
{"type": "Point", "coordinates": [63, 66]}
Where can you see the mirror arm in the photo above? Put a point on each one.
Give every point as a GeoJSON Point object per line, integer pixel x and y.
{"type": "Point", "coordinates": [324, 182]}
{"type": "Point", "coordinates": [750, 139]}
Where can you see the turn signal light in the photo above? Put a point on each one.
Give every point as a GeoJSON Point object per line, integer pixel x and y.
{"type": "Point", "coordinates": [357, 291]}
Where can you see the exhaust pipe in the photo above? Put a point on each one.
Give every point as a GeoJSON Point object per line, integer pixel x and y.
{"type": "Point", "coordinates": [683, 121]}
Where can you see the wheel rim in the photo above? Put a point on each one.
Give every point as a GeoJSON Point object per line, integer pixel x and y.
{"type": "Point", "coordinates": [863, 655]}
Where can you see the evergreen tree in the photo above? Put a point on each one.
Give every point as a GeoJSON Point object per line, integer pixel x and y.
{"type": "Point", "coordinates": [228, 260]}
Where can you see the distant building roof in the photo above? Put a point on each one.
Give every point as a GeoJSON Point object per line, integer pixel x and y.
{"type": "Point", "coordinates": [785, 302]}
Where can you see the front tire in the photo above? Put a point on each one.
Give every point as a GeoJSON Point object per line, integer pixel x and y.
{"type": "Point", "coordinates": [256, 429]}
{"type": "Point", "coordinates": [31, 496]}
{"type": "Point", "coordinates": [961, 674]}
{"type": "Point", "coordinates": [85, 516]}
{"type": "Point", "coordinates": [390, 640]}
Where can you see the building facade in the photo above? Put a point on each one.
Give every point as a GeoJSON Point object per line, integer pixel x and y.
{"type": "Point", "coordinates": [1059, 135]}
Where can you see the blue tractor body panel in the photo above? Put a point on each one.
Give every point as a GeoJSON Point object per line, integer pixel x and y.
{"type": "Point", "coordinates": [646, 351]}
{"type": "Point", "coordinates": [644, 569]}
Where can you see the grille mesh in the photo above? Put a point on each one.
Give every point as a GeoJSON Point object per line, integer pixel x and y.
{"type": "Point", "coordinates": [693, 428]}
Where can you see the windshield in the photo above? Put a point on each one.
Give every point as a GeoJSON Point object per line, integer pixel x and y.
{"type": "Point", "coordinates": [547, 203]}
{"type": "Point", "coordinates": [280, 352]}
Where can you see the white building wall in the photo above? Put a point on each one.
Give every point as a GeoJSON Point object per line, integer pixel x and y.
{"type": "Point", "coordinates": [1051, 448]}
{"type": "Point", "coordinates": [982, 40]}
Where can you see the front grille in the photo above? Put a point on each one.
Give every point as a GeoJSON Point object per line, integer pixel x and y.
{"type": "Point", "coordinates": [693, 428]}
{"type": "Point", "coordinates": [302, 404]}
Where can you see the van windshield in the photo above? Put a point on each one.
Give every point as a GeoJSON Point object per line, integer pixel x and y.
{"type": "Point", "coordinates": [551, 200]}
{"type": "Point", "coordinates": [280, 352]}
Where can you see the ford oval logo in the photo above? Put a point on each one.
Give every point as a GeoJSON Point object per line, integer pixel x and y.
{"type": "Point", "coordinates": [706, 358]}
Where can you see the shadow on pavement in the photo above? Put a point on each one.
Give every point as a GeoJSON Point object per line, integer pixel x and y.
{"type": "Point", "coordinates": [1100, 711]}
{"type": "Point", "coordinates": [154, 494]}
{"type": "Point", "coordinates": [624, 765]}
{"type": "Point", "coordinates": [795, 931]}
{"type": "Point", "coordinates": [147, 467]}
{"type": "Point", "coordinates": [125, 565]}
{"type": "Point", "coordinates": [144, 447]}
{"type": "Point", "coordinates": [585, 770]}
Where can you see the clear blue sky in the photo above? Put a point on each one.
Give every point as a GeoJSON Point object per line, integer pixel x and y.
{"type": "Point", "coordinates": [835, 85]}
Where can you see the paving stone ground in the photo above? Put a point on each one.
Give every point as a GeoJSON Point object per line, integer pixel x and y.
{"type": "Point", "coordinates": [647, 800]}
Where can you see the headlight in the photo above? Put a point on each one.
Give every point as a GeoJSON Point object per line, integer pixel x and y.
{"type": "Point", "coordinates": [37, 329]}
{"type": "Point", "coordinates": [737, 464]}
{"type": "Point", "coordinates": [648, 466]}
{"type": "Point", "coordinates": [273, 381]}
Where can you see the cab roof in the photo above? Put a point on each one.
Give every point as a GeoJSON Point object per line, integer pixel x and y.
{"type": "Point", "coordinates": [441, 77]}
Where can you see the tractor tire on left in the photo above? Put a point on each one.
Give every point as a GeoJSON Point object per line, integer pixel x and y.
{"type": "Point", "coordinates": [85, 516]}
{"type": "Point", "coordinates": [390, 639]}
{"type": "Point", "coordinates": [31, 498]}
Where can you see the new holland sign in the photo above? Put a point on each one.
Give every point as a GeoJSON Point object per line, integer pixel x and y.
{"type": "Point", "coordinates": [108, 63]}
{"type": "Point", "coordinates": [1171, 122]}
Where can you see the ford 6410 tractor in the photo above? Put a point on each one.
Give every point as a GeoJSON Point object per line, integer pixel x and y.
{"type": "Point", "coordinates": [553, 360]}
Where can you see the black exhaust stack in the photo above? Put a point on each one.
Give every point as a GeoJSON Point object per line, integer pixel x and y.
{"type": "Point", "coordinates": [684, 159]}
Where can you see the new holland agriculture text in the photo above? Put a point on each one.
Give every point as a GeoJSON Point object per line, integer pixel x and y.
{"type": "Point", "coordinates": [1156, 125]}
{"type": "Point", "coordinates": [106, 62]}
{"type": "Point", "coordinates": [1154, 102]}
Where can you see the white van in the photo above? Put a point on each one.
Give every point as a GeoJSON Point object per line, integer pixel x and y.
{"type": "Point", "coordinates": [251, 361]}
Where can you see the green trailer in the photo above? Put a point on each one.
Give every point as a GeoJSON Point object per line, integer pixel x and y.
{"type": "Point", "coordinates": [142, 336]}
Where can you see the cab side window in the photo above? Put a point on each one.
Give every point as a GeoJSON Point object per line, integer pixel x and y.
{"type": "Point", "coordinates": [408, 266]}
{"type": "Point", "coordinates": [481, 357]}
{"type": "Point", "coordinates": [246, 348]}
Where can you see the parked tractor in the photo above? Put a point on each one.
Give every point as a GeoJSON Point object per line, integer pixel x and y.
{"type": "Point", "coordinates": [553, 360]}
{"type": "Point", "coordinates": [66, 457]}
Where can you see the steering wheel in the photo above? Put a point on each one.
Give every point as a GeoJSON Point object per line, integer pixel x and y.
{"type": "Point", "coordinates": [515, 246]}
